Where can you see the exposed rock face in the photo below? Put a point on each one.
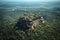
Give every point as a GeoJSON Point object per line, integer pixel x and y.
{"type": "Point", "coordinates": [27, 21]}
{"type": "Point", "coordinates": [38, 21]}
{"type": "Point", "coordinates": [42, 20]}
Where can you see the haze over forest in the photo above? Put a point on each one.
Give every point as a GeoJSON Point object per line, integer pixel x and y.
{"type": "Point", "coordinates": [12, 10]}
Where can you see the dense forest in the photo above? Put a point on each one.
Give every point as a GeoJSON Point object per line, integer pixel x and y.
{"type": "Point", "coordinates": [44, 31]}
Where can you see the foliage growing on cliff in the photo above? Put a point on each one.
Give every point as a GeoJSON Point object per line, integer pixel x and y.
{"type": "Point", "coordinates": [9, 30]}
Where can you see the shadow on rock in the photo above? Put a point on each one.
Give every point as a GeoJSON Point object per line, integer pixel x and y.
{"type": "Point", "coordinates": [22, 24]}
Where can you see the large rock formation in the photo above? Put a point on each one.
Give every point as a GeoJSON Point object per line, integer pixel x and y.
{"type": "Point", "coordinates": [29, 21]}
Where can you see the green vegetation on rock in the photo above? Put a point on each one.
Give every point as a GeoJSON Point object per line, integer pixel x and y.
{"type": "Point", "coordinates": [18, 30]}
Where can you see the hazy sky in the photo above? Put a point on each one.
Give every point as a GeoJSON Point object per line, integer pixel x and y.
{"type": "Point", "coordinates": [28, 0]}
